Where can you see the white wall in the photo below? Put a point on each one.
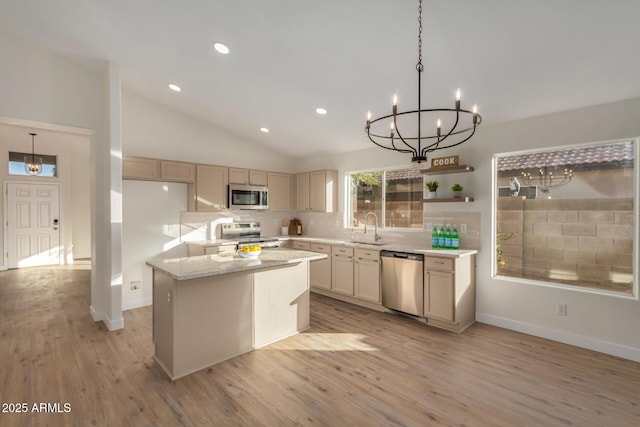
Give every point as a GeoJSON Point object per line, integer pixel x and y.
{"type": "Point", "coordinates": [59, 91]}
{"type": "Point", "coordinates": [602, 322]}
{"type": "Point", "coordinates": [597, 321]}
{"type": "Point", "coordinates": [150, 226]}
{"type": "Point", "coordinates": [152, 130]}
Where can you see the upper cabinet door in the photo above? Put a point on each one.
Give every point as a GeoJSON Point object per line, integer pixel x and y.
{"type": "Point", "coordinates": [257, 177]}
{"type": "Point", "coordinates": [211, 187]}
{"type": "Point", "coordinates": [140, 168]}
{"type": "Point", "coordinates": [238, 176]}
{"type": "Point", "coordinates": [279, 191]}
{"type": "Point", "coordinates": [177, 171]}
{"type": "Point", "coordinates": [317, 191]}
{"type": "Point", "coordinates": [302, 191]}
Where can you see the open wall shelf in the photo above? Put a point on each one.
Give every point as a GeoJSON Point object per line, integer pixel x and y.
{"type": "Point", "coordinates": [448, 200]}
{"type": "Point", "coordinates": [448, 169]}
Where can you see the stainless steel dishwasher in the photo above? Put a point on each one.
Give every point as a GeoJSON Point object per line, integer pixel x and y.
{"type": "Point", "coordinates": [403, 282]}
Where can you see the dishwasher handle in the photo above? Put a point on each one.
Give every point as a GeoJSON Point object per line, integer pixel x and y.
{"type": "Point", "coordinates": [402, 255]}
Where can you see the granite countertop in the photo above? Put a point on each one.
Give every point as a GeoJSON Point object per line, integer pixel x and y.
{"type": "Point", "coordinates": [399, 247]}
{"type": "Point", "coordinates": [216, 242]}
{"type": "Point", "coordinates": [211, 265]}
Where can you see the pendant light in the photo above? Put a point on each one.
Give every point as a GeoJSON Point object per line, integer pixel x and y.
{"type": "Point", "coordinates": [452, 127]}
{"type": "Point", "coordinates": [33, 164]}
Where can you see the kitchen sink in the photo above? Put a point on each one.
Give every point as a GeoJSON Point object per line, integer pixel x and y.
{"type": "Point", "coordinates": [360, 242]}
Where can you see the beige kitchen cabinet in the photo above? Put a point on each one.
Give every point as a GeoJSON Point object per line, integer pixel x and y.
{"type": "Point", "coordinates": [148, 169]}
{"type": "Point", "coordinates": [367, 275]}
{"type": "Point", "coordinates": [238, 176]}
{"type": "Point", "coordinates": [279, 185]}
{"type": "Point", "coordinates": [302, 246]}
{"type": "Point", "coordinates": [302, 191]}
{"type": "Point", "coordinates": [287, 244]}
{"type": "Point", "coordinates": [257, 177]}
{"type": "Point", "coordinates": [449, 292]}
{"type": "Point", "coordinates": [247, 177]}
{"type": "Point", "coordinates": [177, 171]}
{"type": "Point", "coordinates": [211, 188]}
{"type": "Point", "coordinates": [317, 191]}
{"type": "Point", "coordinates": [320, 270]}
{"type": "Point", "coordinates": [140, 168]}
{"type": "Point", "coordinates": [342, 270]}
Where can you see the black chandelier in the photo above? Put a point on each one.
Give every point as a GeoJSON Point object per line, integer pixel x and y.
{"type": "Point", "coordinates": [33, 164]}
{"type": "Point", "coordinates": [546, 179]}
{"type": "Point", "coordinates": [387, 134]}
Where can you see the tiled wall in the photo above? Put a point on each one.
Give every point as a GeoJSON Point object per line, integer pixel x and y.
{"type": "Point", "coordinates": [205, 225]}
{"type": "Point", "coordinates": [587, 242]}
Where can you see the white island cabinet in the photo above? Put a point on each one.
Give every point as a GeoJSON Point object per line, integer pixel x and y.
{"type": "Point", "coordinates": [210, 308]}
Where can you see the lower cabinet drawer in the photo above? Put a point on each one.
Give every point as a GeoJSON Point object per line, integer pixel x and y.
{"type": "Point", "coordinates": [320, 247]}
{"type": "Point", "coordinates": [303, 246]}
{"type": "Point", "coordinates": [342, 250]}
{"type": "Point", "coordinates": [367, 254]}
{"type": "Point", "coordinates": [438, 263]}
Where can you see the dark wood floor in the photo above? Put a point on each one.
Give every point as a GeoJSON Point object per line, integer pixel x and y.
{"type": "Point", "coordinates": [353, 367]}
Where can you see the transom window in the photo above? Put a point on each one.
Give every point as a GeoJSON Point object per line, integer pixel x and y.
{"type": "Point", "coordinates": [17, 163]}
{"type": "Point", "coordinates": [395, 196]}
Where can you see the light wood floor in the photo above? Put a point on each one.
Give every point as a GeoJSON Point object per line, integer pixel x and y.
{"type": "Point", "coordinates": [353, 367]}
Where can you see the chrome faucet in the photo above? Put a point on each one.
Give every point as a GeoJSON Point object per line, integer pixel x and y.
{"type": "Point", "coordinates": [375, 217]}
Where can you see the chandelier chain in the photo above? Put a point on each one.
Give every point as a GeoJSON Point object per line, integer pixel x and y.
{"type": "Point", "coordinates": [419, 64]}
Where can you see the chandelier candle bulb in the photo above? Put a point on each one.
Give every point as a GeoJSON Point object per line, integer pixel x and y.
{"type": "Point", "coordinates": [458, 99]}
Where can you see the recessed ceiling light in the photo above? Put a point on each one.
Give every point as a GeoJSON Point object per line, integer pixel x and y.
{"type": "Point", "coordinates": [265, 130]}
{"type": "Point", "coordinates": [321, 110]}
{"type": "Point", "coordinates": [174, 88]}
{"type": "Point", "coordinates": [221, 48]}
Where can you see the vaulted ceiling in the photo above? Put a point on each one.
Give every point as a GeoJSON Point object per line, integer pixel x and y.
{"type": "Point", "coordinates": [515, 59]}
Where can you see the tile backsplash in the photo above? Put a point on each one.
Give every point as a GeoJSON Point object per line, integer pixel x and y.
{"type": "Point", "coordinates": [206, 226]}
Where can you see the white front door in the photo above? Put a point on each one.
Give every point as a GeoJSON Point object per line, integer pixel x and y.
{"type": "Point", "coordinates": [33, 225]}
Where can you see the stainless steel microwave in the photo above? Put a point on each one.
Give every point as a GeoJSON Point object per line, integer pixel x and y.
{"type": "Point", "coordinates": [247, 197]}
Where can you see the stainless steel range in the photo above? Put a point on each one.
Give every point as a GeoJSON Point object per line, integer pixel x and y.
{"type": "Point", "coordinates": [248, 233]}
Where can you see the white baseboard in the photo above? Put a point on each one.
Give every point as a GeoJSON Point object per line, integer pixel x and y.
{"type": "Point", "coordinates": [607, 347]}
{"type": "Point", "coordinates": [137, 303]}
{"type": "Point", "coordinates": [3, 268]}
{"type": "Point", "coordinates": [95, 315]}
{"type": "Point", "coordinates": [112, 325]}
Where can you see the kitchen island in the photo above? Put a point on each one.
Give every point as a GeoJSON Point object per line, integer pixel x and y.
{"type": "Point", "coordinates": [207, 309]}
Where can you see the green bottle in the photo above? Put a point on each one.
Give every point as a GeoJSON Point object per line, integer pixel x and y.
{"type": "Point", "coordinates": [441, 237]}
{"type": "Point", "coordinates": [455, 238]}
{"type": "Point", "coordinates": [434, 237]}
{"type": "Point", "coordinates": [447, 238]}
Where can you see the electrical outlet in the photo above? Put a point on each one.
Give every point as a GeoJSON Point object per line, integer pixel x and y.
{"type": "Point", "coordinates": [134, 286]}
{"type": "Point", "coordinates": [561, 309]}
{"type": "Point", "coordinates": [463, 228]}
{"type": "Point", "coordinates": [429, 226]}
